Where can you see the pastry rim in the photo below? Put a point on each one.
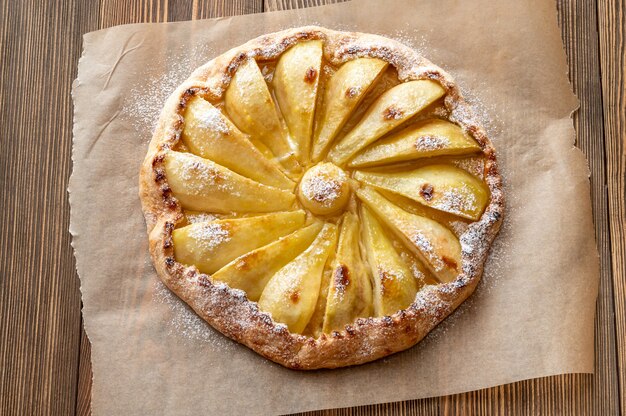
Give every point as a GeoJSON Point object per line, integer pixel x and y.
{"type": "Point", "coordinates": [227, 309]}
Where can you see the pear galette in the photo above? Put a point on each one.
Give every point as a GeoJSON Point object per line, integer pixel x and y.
{"type": "Point", "coordinates": [325, 198]}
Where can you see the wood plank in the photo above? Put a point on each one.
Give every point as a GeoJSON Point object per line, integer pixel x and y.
{"type": "Point", "coordinates": [578, 21]}
{"type": "Point", "coordinates": [564, 394]}
{"type": "Point", "coordinates": [272, 5]}
{"type": "Point", "coordinates": [39, 295]}
{"type": "Point", "coordinates": [612, 28]}
{"type": "Point", "coordinates": [85, 376]}
{"type": "Point", "coordinates": [118, 12]}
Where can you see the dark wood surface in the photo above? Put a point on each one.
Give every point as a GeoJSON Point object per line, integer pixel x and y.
{"type": "Point", "coordinates": [44, 353]}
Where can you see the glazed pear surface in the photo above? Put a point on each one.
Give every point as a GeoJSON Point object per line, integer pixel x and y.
{"type": "Point", "coordinates": [325, 192]}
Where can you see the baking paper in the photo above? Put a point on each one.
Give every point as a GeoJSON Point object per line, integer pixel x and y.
{"type": "Point", "coordinates": [531, 316]}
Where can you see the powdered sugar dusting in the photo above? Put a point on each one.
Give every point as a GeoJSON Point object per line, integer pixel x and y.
{"type": "Point", "coordinates": [142, 105]}
{"type": "Point", "coordinates": [209, 235]}
{"type": "Point", "coordinates": [413, 38]}
{"type": "Point", "coordinates": [427, 143]}
{"type": "Point", "coordinates": [186, 324]}
{"type": "Point", "coordinates": [495, 270]}
{"type": "Point", "coordinates": [458, 227]}
{"type": "Point", "coordinates": [500, 253]}
{"type": "Point", "coordinates": [456, 201]}
{"type": "Point", "coordinates": [202, 217]}
{"type": "Point", "coordinates": [429, 303]}
{"type": "Point", "coordinates": [211, 119]}
{"type": "Point", "coordinates": [323, 190]}
{"type": "Point", "coordinates": [415, 270]}
{"type": "Point", "coordinates": [441, 112]}
{"type": "Point", "coordinates": [325, 186]}
{"type": "Point", "coordinates": [479, 112]}
{"type": "Point", "coordinates": [200, 173]}
{"type": "Point", "coordinates": [473, 165]}
{"type": "Point", "coordinates": [427, 249]}
{"type": "Point", "coordinates": [194, 169]}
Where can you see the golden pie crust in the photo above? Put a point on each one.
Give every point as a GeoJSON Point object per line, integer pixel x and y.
{"type": "Point", "coordinates": [228, 310]}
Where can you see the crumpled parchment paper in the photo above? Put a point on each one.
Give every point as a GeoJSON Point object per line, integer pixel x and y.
{"type": "Point", "coordinates": [532, 315]}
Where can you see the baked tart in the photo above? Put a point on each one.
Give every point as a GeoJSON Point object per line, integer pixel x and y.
{"type": "Point", "coordinates": [325, 198]}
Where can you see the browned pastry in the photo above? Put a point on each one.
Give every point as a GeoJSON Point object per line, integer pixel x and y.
{"type": "Point", "coordinates": [325, 198]}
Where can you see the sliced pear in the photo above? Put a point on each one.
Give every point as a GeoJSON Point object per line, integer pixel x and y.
{"type": "Point", "coordinates": [291, 294]}
{"type": "Point", "coordinates": [473, 164]}
{"type": "Point", "coordinates": [211, 245]}
{"type": "Point", "coordinates": [249, 104]}
{"type": "Point", "coordinates": [442, 187]}
{"type": "Point", "coordinates": [315, 325]}
{"type": "Point", "coordinates": [202, 185]}
{"type": "Point", "coordinates": [394, 284]}
{"type": "Point", "coordinates": [251, 271]}
{"type": "Point", "coordinates": [420, 272]}
{"type": "Point", "coordinates": [350, 291]}
{"type": "Point", "coordinates": [391, 109]}
{"type": "Point", "coordinates": [427, 138]}
{"type": "Point", "coordinates": [210, 134]}
{"type": "Point", "coordinates": [296, 81]}
{"type": "Point", "coordinates": [344, 92]}
{"type": "Point", "coordinates": [287, 161]}
{"type": "Point", "coordinates": [433, 243]}
{"type": "Point", "coordinates": [181, 147]}
{"type": "Point", "coordinates": [455, 223]}
{"type": "Point", "coordinates": [199, 216]}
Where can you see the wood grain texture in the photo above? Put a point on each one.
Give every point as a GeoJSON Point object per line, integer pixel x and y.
{"type": "Point", "coordinates": [273, 5]}
{"type": "Point", "coordinates": [117, 12]}
{"type": "Point", "coordinates": [85, 376]}
{"type": "Point", "coordinates": [579, 21]}
{"type": "Point", "coordinates": [612, 28]}
{"type": "Point", "coordinates": [560, 395]}
{"type": "Point", "coordinates": [39, 295]}
{"type": "Point", "coordinates": [45, 358]}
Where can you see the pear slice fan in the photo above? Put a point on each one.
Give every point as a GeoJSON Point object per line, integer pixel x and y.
{"type": "Point", "coordinates": [324, 198]}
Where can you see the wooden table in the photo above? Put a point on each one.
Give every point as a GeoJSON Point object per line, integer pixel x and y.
{"type": "Point", "coordinates": [44, 353]}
